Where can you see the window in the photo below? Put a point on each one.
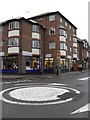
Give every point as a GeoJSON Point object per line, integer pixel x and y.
{"type": "Point", "coordinates": [74, 39]}
{"type": "Point", "coordinates": [35, 28]}
{"type": "Point", "coordinates": [70, 37]}
{"type": "Point", "coordinates": [70, 49]}
{"type": "Point", "coordinates": [16, 24]}
{"type": "Point", "coordinates": [62, 46]}
{"type": "Point", "coordinates": [52, 31]}
{"type": "Point", "coordinates": [35, 43]}
{"type": "Point", "coordinates": [62, 32]}
{"type": "Point", "coordinates": [61, 20]}
{"type": "Point", "coordinates": [51, 17]}
{"type": "Point", "coordinates": [69, 26]}
{"type": "Point", "coordinates": [1, 42]}
{"type": "Point", "coordinates": [52, 45]}
{"type": "Point", "coordinates": [66, 35]}
{"type": "Point", "coordinates": [74, 50]}
{"type": "Point", "coordinates": [66, 24]}
{"type": "Point", "coordinates": [13, 42]}
{"type": "Point", "coordinates": [13, 25]}
{"type": "Point", "coordinates": [73, 30]}
{"type": "Point", "coordinates": [66, 48]}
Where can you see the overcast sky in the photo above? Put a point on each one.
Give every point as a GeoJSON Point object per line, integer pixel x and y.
{"type": "Point", "coordinates": [74, 10]}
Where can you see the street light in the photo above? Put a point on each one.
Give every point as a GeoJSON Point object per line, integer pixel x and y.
{"type": "Point", "coordinates": [39, 43]}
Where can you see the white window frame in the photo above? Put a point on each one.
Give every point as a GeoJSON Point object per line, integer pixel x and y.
{"type": "Point", "coordinates": [53, 31]}
{"type": "Point", "coordinates": [51, 17]}
{"type": "Point", "coordinates": [51, 45]}
{"type": "Point", "coordinates": [61, 20]}
{"type": "Point", "coordinates": [65, 23]}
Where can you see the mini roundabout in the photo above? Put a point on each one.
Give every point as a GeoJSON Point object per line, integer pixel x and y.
{"type": "Point", "coordinates": [38, 94]}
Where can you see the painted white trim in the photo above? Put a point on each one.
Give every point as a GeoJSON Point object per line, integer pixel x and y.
{"type": "Point", "coordinates": [62, 38]}
{"type": "Point", "coordinates": [35, 35]}
{"type": "Point", "coordinates": [74, 55]}
{"type": "Point", "coordinates": [13, 33]}
{"type": "Point", "coordinates": [13, 50]}
{"type": "Point", "coordinates": [26, 53]}
{"type": "Point", "coordinates": [63, 52]}
{"type": "Point", "coordinates": [36, 51]}
{"type": "Point", "coordinates": [74, 44]}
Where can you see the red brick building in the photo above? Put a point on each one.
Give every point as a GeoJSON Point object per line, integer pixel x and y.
{"type": "Point", "coordinates": [38, 44]}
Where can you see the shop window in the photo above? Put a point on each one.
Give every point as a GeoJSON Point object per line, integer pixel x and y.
{"type": "Point", "coordinates": [64, 64]}
{"type": "Point", "coordinates": [32, 63]}
{"type": "Point", "coordinates": [10, 63]}
{"type": "Point", "coordinates": [49, 63]}
{"type": "Point", "coordinates": [51, 17]}
{"type": "Point", "coordinates": [52, 31]}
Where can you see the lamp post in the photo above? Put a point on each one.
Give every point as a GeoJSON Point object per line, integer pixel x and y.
{"type": "Point", "coordinates": [39, 42]}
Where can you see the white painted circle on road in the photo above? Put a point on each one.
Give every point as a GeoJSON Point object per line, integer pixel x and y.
{"type": "Point", "coordinates": [37, 93]}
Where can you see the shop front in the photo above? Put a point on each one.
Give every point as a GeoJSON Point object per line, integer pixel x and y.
{"type": "Point", "coordinates": [9, 64]}
{"type": "Point", "coordinates": [64, 65]}
{"type": "Point", "coordinates": [48, 65]}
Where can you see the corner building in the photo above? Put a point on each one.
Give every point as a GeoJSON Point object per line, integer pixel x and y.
{"type": "Point", "coordinates": [20, 46]}
{"type": "Point", "coordinates": [60, 42]}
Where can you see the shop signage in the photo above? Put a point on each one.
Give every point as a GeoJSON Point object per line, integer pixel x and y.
{"type": "Point", "coordinates": [25, 53]}
{"type": "Point", "coordinates": [48, 55]}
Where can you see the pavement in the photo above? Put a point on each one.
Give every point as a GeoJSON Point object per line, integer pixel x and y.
{"type": "Point", "coordinates": [44, 75]}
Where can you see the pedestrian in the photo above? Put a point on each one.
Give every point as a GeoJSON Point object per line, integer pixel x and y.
{"type": "Point", "coordinates": [57, 68]}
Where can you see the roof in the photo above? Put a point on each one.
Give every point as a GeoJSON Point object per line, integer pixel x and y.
{"type": "Point", "coordinates": [19, 18]}
{"type": "Point", "coordinates": [50, 13]}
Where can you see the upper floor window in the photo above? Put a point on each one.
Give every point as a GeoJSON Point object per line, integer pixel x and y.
{"type": "Point", "coordinates": [35, 43]}
{"type": "Point", "coordinates": [35, 28]}
{"type": "Point", "coordinates": [69, 26]}
{"type": "Point", "coordinates": [66, 24]}
{"type": "Point", "coordinates": [66, 48]}
{"type": "Point", "coordinates": [52, 45]}
{"type": "Point", "coordinates": [52, 31]}
{"type": "Point", "coordinates": [51, 17]}
{"type": "Point", "coordinates": [74, 39]}
{"type": "Point", "coordinates": [73, 30]}
{"type": "Point", "coordinates": [1, 42]}
{"type": "Point", "coordinates": [14, 25]}
{"type": "Point", "coordinates": [70, 37]}
{"type": "Point", "coordinates": [70, 49]}
{"type": "Point", "coordinates": [74, 50]}
{"type": "Point", "coordinates": [13, 42]}
{"type": "Point", "coordinates": [62, 32]}
{"type": "Point", "coordinates": [62, 46]}
{"type": "Point", "coordinates": [1, 28]}
{"type": "Point", "coordinates": [61, 20]}
{"type": "Point", "coordinates": [66, 35]}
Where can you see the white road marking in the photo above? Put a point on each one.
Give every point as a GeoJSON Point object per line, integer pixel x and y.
{"type": "Point", "coordinates": [86, 78]}
{"type": "Point", "coordinates": [52, 90]}
{"type": "Point", "coordinates": [82, 109]}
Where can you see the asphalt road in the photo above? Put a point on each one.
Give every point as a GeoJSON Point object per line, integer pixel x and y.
{"type": "Point", "coordinates": [55, 109]}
